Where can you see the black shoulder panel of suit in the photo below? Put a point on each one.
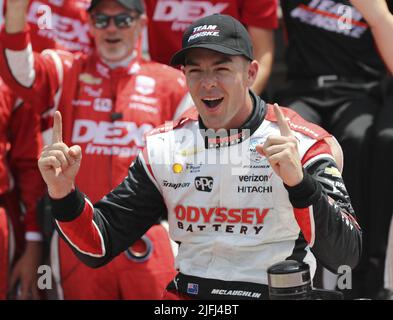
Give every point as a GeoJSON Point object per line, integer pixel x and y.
{"type": "Point", "coordinates": [338, 238]}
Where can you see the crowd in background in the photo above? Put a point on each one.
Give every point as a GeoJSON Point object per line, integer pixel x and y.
{"type": "Point", "coordinates": [318, 57]}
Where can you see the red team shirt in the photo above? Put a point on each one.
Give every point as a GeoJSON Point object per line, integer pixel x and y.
{"type": "Point", "coordinates": [105, 111]}
{"type": "Point", "coordinates": [57, 24]}
{"type": "Point", "coordinates": [18, 159]}
{"type": "Point", "coordinates": [168, 19]}
{"type": "Point", "coordinates": [62, 25]}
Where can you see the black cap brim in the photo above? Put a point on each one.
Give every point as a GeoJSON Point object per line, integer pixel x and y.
{"type": "Point", "coordinates": [179, 57]}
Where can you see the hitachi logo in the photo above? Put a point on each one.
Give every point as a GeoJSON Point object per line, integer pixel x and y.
{"type": "Point", "coordinates": [253, 189]}
{"type": "Point", "coordinates": [221, 215]}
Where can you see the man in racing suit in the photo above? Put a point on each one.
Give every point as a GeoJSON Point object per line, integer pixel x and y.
{"type": "Point", "coordinates": [21, 187]}
{"type": "Point", "coordinates": [245, 184]}
{"type": "Point", "coordinates": [169, 19]}
{"type": "Point", "coordinates": [109, 100]}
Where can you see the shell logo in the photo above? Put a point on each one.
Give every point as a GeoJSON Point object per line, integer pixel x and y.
{"type": "Point", "coordinates": [177, 168]}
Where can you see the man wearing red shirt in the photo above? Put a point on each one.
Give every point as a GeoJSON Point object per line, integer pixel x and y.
{"type": "Point", "coordinates": [109, 100]}
{"type": "Point", "coordinates": [53, 24]}
{"type": "Point", "coordinates": [57, 24]}
{"type": "Point", "coordinates": [168, 19]}
{"type": "Point", "coordinates": [21, 187]}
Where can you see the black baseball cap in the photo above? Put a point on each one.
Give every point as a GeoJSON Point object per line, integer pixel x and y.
{"type": "Point", "coordinates": [217, 32]}
{"type": "Point", "coordinates": [129, 4]}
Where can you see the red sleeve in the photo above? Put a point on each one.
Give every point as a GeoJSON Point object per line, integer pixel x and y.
{"type": "Point", "coordinates": [26, 146]}
{"type": "Point", "coordinates": [43, 74]}
{"type": "Point", "coordinates": [259, 13]}
{"type": "Point", "coordinates": [319, 149]}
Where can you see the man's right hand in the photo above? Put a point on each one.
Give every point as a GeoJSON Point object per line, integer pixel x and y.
{"type": "Point", "coordinates": [58, 163]}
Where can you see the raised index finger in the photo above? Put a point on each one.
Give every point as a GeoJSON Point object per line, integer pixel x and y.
{"type": "Point", "coordinates": [283, 125]}
{"type": "Point", "coordinates": [57, 134]}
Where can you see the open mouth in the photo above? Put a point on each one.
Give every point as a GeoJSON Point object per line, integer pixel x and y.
{"type": "Point", "coordinates": [212, 102]}
{"type": "Point", "coordinates": [112, 41]}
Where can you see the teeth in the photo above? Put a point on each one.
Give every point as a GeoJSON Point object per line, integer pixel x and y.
{"type": "Point", "coordinates": [211, 99]}
{"type": "Point", "coordinates": [212, 102]}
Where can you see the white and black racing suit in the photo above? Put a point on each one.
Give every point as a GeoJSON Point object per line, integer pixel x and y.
{"type": "Point", "coordinates": [231, 214]}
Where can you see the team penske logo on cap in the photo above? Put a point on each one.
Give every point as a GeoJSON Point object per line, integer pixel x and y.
{"type": "Point", "coordinates": [204, 31]}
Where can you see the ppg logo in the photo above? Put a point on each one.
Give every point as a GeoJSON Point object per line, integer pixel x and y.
{"type": "Point", "coordinates": [204, 184]}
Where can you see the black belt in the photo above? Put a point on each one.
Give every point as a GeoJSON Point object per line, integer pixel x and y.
{"type": "Point", "coordinates": [213, 289]}
{"type": "Point", "coordinates": [331, 80]}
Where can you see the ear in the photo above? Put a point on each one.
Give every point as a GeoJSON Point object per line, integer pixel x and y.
{"type": "Point", "coordinates": [252, 72]}
{"type": "Point", "coordinates": [142, 21]}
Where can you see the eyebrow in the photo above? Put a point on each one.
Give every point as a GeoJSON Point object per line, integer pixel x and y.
{"type": "Point", "coordinates": [224, 59]}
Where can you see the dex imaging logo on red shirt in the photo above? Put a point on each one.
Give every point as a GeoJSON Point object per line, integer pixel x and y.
{"type": "Point", "coordinates": [54, 24]}
{"type": "Point", "coordinates": [123, 138]}
{"type": "Point", "coordinates": [182, 12]}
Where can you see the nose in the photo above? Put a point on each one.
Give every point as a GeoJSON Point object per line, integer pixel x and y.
{"type": "Point", "coordinates": [111, 26]}
{"type": "Point", "coordinates": [209, 80]}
